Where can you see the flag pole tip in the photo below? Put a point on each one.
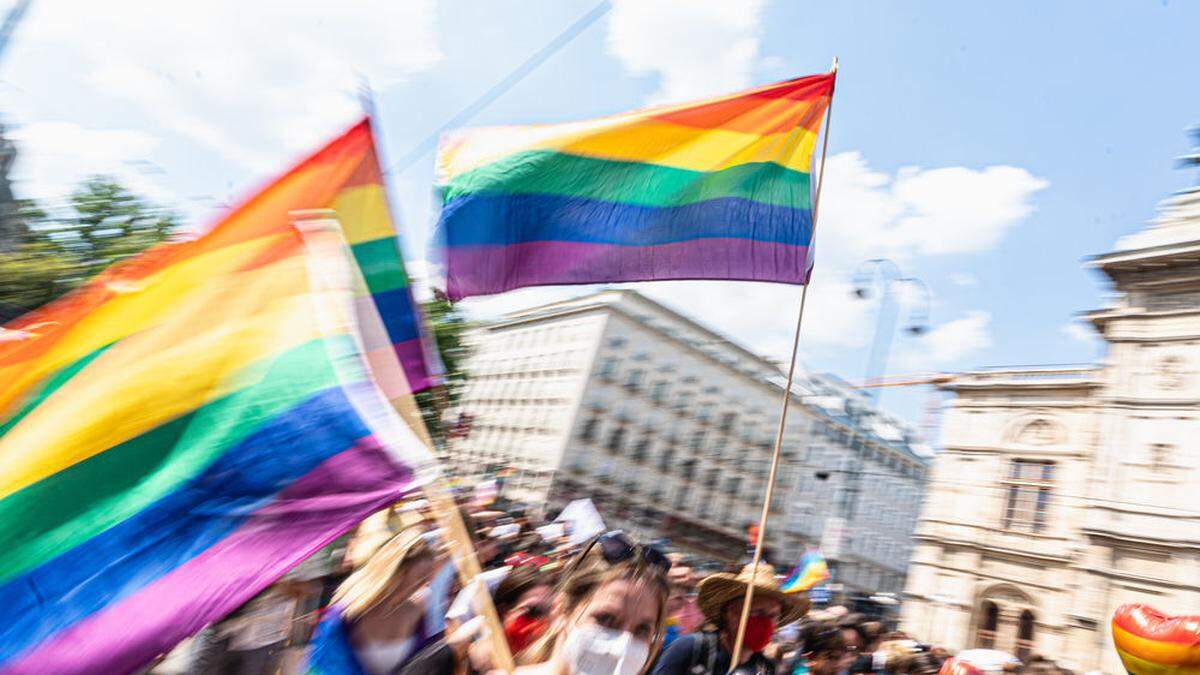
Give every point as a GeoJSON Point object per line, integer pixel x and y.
{"type": "Point", "coordinates": [834, 68]}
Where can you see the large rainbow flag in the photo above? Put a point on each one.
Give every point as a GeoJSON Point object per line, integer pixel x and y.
{"type": "Point", "coordinates": [182, 430]}
{"type": "Point", "coordinates": [718, 189]}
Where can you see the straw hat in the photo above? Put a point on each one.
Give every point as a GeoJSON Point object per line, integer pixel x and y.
{"type": "Point", "coordinates": [718, 589]}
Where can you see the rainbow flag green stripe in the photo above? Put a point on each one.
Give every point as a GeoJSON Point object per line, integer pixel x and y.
{"type": "Point", "coordinates": [553, 173]}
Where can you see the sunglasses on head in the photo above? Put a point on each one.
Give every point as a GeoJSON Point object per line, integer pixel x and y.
{"type": "Point", "coordinates": [617, 547]}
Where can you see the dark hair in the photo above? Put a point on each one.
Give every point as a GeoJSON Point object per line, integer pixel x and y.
{"type": "Point", "coordinates": [516, 583]}
{"type": "Point", "coordinates": [921, 663]}
{"type": "Point", "coordinates": [820, 637]}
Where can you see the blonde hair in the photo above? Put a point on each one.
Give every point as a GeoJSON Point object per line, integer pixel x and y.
{"type": "Point", "coordinates": [383, 573]}
{"type": "Point", "coordinates": [584, 577]}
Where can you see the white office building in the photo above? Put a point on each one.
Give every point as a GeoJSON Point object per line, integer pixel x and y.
{"type": "Point", "coordinates": [668, 427]}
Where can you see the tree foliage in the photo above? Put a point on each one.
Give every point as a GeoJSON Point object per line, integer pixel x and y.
{"type": "Point", "coordinates": [448, 327]}
{"type": "Point", "coordinates": [102, 223]}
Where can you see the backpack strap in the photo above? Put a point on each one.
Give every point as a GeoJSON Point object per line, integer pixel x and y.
{"type": "Point", "coordinates": [704, 655]}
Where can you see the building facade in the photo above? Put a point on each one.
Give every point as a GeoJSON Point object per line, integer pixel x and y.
{"type": "Point", "coordinates": [669, 429]}
{"type": "Point", "coordinates": [1062, 494]}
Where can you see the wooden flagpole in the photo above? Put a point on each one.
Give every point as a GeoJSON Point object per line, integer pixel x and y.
{"type": "Point", "coordinates": [787, 397]}
{"type": "Point", "coordinates": [441, 500]}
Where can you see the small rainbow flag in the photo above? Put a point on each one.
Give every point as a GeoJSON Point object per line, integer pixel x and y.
{"type": "Point", "coordinates": [810, 571]}
{"type": "Point", "coordinates": [718, 189]}
{"type": "Point", "coordinates": [182, 430]}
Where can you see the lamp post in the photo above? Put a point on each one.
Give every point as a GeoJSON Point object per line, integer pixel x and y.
{"type": "Point", "coordinates": [882, 276]}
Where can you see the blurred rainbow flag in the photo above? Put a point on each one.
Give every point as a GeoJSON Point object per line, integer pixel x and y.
{"type": "Point", "coordinates": [717, 189]}
{"type": "Point", "coordinates": [192, 423]}
{"type": "Point", "coordinates": [810, 571]}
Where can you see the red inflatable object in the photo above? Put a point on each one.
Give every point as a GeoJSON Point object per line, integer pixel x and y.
{"type": "Point", "coordinates": [1152, 643]}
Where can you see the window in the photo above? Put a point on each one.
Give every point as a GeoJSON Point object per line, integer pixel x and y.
{"type": "Point", "coordinates": [1025, 635]}
{"type": "Point", "coordinates": [689, 469]}
{"type": "Point", "coordinates": [608, 368]}
{"type": "Point", "coordinates": [666, 458]}
{"type": "Point", "coordinates": [705, 412]}
{"type": "Point", "coordinates": [1029, 484]}
{"type": "Point", "coordinates": [684, 400]}
{"type": "Point", "coordinates": [643, 445]}
{"type": "Point", "coordinates": [1160, 456]}
{"type": "Point", "coordinates": [659, 393]}
{"type": "Point", "coordinates": [616, 439]}
{"type": "Point", "coordinates": [727, 421]}
{"type": "Point", "coordinates": [988, 620]}
{"type": "Point", "coordinates": [588, 433]}
{"type": "Point", "coordinates": [697, 440]}
{"type": "Point", "coordinates": [634, 381]}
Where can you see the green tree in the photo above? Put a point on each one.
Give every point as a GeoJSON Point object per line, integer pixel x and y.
{"type": "Point", "coordinates": [103, 223]}
{"type": "Point", "coordinates": [448, 327]}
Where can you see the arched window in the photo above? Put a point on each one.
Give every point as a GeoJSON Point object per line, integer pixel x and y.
{"type": "Point", "coordinates": [1025, 635]}
{"type": "Point", "coordinates": [989, 618]}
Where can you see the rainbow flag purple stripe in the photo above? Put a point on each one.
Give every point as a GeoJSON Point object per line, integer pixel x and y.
{"type": "Point", "coordinates": [718, 189]}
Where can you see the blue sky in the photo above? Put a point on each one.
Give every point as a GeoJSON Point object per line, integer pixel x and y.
{"type": "Point", "coordinates": [986, 147]}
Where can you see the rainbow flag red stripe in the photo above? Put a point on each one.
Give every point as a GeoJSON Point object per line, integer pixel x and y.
{"type": "Point", "coordinates": [718, 189]}
{"type": "Point", "coordinates": [186, 427]}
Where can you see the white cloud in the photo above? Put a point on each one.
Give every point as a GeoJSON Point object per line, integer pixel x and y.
{"type": "Point", "coordinates": [960, 210]}
{"type": "Point", "coordinates": [253, 81]}
{"type": "Point", "coordinates": [56, 156]}
{"type": "Point", "coordinates": [696, 47]}
{"type": "Point", "coordinates": [940, 211]}
{"type": "Point", "coordinates": [1079, 332]}
{"type": "Point", "coordinates": [964, 279]}
{"type": "Point", "coordinates": [949, 343]}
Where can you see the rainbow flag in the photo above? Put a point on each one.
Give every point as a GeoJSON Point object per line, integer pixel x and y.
{"type": "Point", "coordinates": [718, 189]}
{"type": "Point", "coordinates": [182, 430]}
{"type": "Point", "coordinates": [810, 571]}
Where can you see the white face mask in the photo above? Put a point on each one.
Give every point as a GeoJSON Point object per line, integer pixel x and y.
{"type": "Point", "coordinates": [592, 650]}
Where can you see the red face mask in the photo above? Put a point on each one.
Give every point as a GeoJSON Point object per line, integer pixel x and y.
{"type": "Point", "coordinates": [759, 631]}
{"type": "Point", "coordinates": [521, 630]}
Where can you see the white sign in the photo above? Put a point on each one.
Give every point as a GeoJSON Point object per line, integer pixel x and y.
{"type": "Point", "coordinates": [582, 520]}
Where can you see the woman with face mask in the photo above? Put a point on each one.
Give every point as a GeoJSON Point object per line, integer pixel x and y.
{"type": "Point", "coordinates": [376, 620]}
{"type": "Point", "coordinates": [522, 602]}
{"type": "Point", "coordinates": [608, 612]}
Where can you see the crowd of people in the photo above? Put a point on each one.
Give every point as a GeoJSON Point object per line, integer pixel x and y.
{"type": "Point", "coordinates": [606, 604]}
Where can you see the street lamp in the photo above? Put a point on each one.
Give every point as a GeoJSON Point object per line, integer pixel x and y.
{"type": "Point", "coordinates": [880, 275]}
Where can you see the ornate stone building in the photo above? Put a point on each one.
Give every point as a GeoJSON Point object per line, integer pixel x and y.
{"type": "Point", "coordinates": [1064, 493]}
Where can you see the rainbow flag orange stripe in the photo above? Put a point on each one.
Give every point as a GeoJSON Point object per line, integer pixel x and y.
{"type": "Point", "coordinates": [718, 189]}
{"type": "Point", "coordinates": [188, 426]}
